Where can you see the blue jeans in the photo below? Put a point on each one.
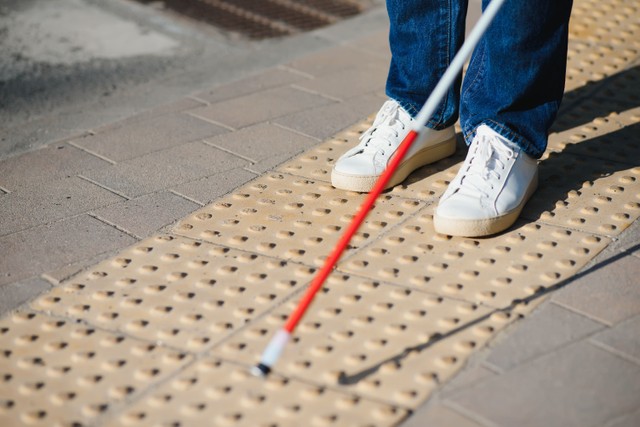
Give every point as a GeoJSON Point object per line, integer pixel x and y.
{"type": "Point", "coordinates": [515, 79]}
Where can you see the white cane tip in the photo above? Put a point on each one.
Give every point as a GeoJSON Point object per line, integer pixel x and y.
{"type": "Point", "coordinates": [260, 370]}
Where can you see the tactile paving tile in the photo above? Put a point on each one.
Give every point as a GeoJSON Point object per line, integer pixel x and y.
{"type": "Point", "coordinates": [176, 291]}
{"type": "Point", "coordinates": [494, 271]}
{"type": "Point", "coordinates": [603, 138]}
{"type": "Point", "coordinates": [292, 218]}
{"type": "Point", "coordinates": [588, 63]}
{"type": "Point", "coordinates": [613, 21]}
{"type": "Point", "coordinates": [218, 393]}
{"type": "Point", "coordinates": [586, 193]}
{"type": "Point", "coordinates": [426, 183]}
{"type": "Point", "coordinates": [373, 339]}
{"type": "Point", "coordinates": [316, 163]}
{"type": "Point", "coordinates": [56, 372]}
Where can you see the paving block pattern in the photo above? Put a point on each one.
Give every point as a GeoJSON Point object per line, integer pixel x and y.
{"type": "Point", "coordinates": [59, 372]}
{"type": "Point", "coordinates": [165, 331]}
{"type": "Point", "coordinates": [178, 291]}
{"type": "Point", "coordinates": [214, 392]}
{"type": "Point", "coordinates": [291, 218]}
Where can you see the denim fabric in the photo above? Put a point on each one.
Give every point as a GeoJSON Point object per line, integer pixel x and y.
{"type": "Point", "coordinates": [515, 79]}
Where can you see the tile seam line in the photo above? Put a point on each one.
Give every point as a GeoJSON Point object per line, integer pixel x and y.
{"type": "Point", "coordinates": [84, 322]}
{"type": "Point", "coordinates": [114, 225]}
{"type": "Point", "coordinates": [55, 221]}
{"type": "Point", "coordinates": [317, 93]}
{"type": "Point", "coordinates": [581, 313]}
{"type": "Point", "coordinates": [104, 187]}
{"type": "Point", "coordinates": [214, 122]}
{"type": "Point", "coordinates": [499, 371]}
{"type": "Point", "coordinates": [292, 70]}
{"type": "Point", "coordinates": [613, 351]}
{"type": "Point", "coordinates": [93, 153]}
{"type": "Point", "coordinates": [611, 237]}
{"type": "Point", "coordinates": [54, 283]}
{"type": "Point", "coordinates": [226, 150]}
{"type": "Point", "coordinates": [171, 374]}
{"type": "Point", "coordinates": [298, 132]}
{"type": "Point", "coordinates": [468, 413]}
{"type": "Point", "coordinates": [189, 199]}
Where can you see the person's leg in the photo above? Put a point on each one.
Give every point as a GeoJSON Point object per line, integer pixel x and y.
{"type": "Point", "coordinates": [510, 97]}
{"type": "Point", "coordinates": [424, 37]}
{"type": "Point", "coordinates": [515, 80]}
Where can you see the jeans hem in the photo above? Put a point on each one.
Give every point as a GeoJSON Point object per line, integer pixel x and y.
{"type": "Point", "coordinates": [524, 144]}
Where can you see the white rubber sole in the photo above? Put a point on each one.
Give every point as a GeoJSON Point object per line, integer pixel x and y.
{"type": "Point", "coordinates": [486, 226]}
{"type": "Point", "coordinates": [364, 183]}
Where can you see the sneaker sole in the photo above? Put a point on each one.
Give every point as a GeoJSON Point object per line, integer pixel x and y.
{"type": "Point", "coordinates": [483, 227]}
{"type": "Point", "coordinates": [427, 155]}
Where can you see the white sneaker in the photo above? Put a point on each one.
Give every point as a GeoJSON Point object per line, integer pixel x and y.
{"type": "Point", "coordinates": [490, 190]}
{"type": "Point", "coordinates": [359, 168]}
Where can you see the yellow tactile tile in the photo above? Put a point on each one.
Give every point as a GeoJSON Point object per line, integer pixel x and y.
{"type": "Point", "coordinates": [589, 63]}
{"type": "Point", "coordinates": [291, 217]}
{"type": "Point", "coordinates": [218, 393]}
{"type": "Point", "coordinates": [615, 22]}
{"type": "Point", "coordinates": [316, 163]}
{"type": "Point", "coordinates": [164, 333]}
{"type": "Point", "coordinates": [586, 193]}
{"type": "Point", "coordinates": [58, 372]}
{"type": "Point", "coordinates": [374, 339]}
{"type": "Point", "coordinates": [493, 271]}
{"type": "Point", "coordinates": [176, 291]}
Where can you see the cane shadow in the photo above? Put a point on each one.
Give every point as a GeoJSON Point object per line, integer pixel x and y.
{"type": "Point", "coordinates": [565, 172]}
{"type": "Point", "coordinates": [577, 169]}
{"type": "Point", "coordinates": [349, 380]}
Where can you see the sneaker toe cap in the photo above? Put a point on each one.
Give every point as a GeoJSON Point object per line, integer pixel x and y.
{"type": "Point", "coordinates": [464, 207]}
{"type": "Point", "coordinates": [359, 164]}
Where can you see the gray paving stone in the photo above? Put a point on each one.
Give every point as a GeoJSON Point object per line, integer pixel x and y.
{"type": "Point", "coordinates": [262, 141]}
{"type": "Point", "coordinates": [145, 215]}
{"type": "Point", "coordinates": [49, 163]}
{"type": "Point", "coordinates": [623, 338]}
{"type": "Point", "coordinates": [37, 250]}
{"type": "Point", "coordinates": [580, 385]}
{"type": "Point", "coordinates": [548, 329]}
{"type": "Point", "coordinates": [630, 239]}
{"type": "Point", "coordinates": [210, 188]}
{"type": "Point", "coordinates": [50, 201]}
{"type": "Point", "coordinates": [12, 295]}
{"type": "Point", "coordinates": [137, 137]}
{"type": "Point", "coordinates": [268, 79]}
{"type": "Point", "coordinates": [469, 375]}
{"type": "Point", "coordinates": [608, 292]}
{"type": "Point", "coordinates": [56, 276]}
{"type": "Point", "coordinates": [260, 107]}
{"type": "Point", "coordinates": [377, 43]}
{"type": "Point", "coordinates": [438, 416]}
{"type": "Point", "coordinates": [348, 83]}
{"type": "Point", "coordinates": [165, 169]}
{"type": "Point", "coordinates": [629, 420]}
{"type": "Point", "coordinates": [325, 121]}
{"type": "Point", "coordinates": [335, 59]}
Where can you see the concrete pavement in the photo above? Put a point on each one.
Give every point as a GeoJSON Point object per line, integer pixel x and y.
{"type": "Point", "coordinates": [534, 327]}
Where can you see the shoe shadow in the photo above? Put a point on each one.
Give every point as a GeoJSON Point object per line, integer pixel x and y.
{"type": "Point", "coordinates": [582, 180]}
{"type": "Point", "coordinates": [573, 167]}
{"type": "Point", "coordinates": [614, 94]}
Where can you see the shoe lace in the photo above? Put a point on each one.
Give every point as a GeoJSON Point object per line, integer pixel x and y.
{"type": "Point", "coordinates": [385, 129]}
{"type": "Point", "coordinates": [487, 164]}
